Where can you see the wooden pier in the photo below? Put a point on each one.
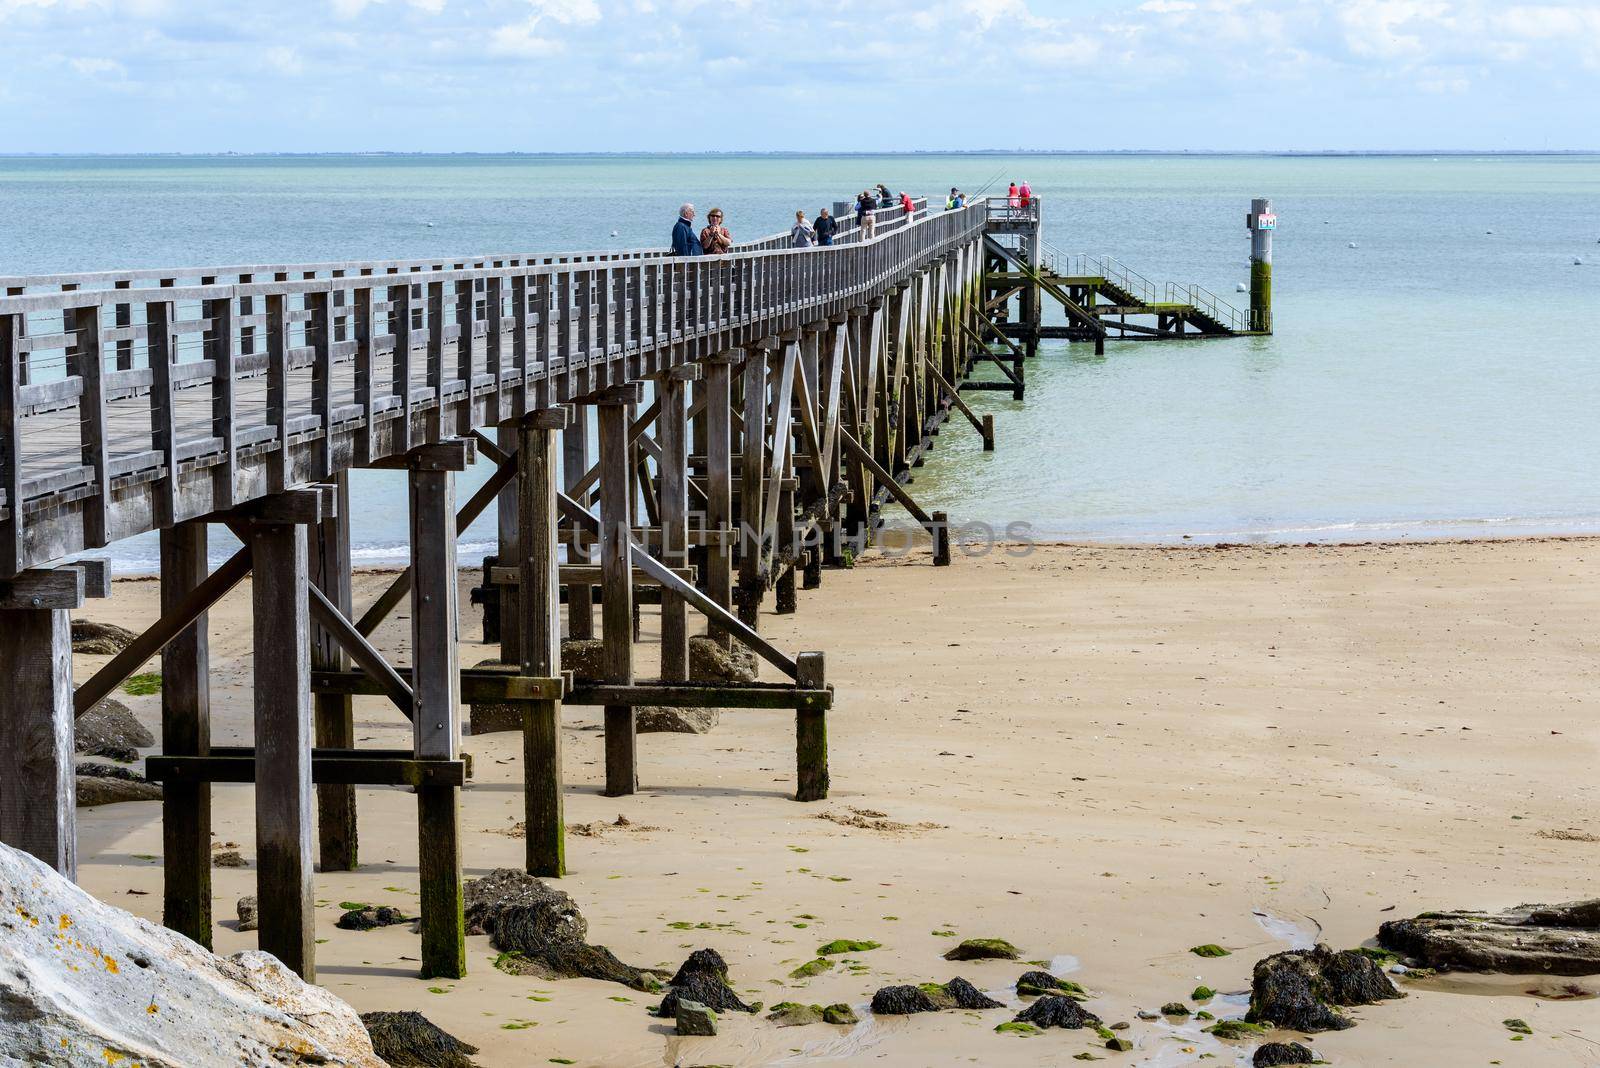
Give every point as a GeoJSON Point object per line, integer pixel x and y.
{"type": "Point", "coordinates": [750, 414]}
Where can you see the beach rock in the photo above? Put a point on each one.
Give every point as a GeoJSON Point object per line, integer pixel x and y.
{"type": "Point", "coordinates": [1275, 1053]}
{"type": "Point", "coordinates": [228, 858]}
{"type": "Point", "coordinates": [983, 949]}
{"type": "Point", "coordinates": [1032, 984]}
{"type": "Point", "coordinates": [967, 996]}
{"type": "Point", "coordinates": [1303, 989]}
{"type": "Point", "coordinates": [841, 1014]}
{"type": "Point", "coordinates": [694, 1018]}
{"type": "Point", "coordinates": [902, 1000]}
{"type": "Point", "coordinates": [493, 717]}
{"type": "Point", "coordinates": [110, 729]}
{"type": "Point", "coordinates": [83, 983]}
{"type": "Point", "coordinates": [1175, 1008]}
{"type": "Point", "coordinates": [1057, 1011]}
{"type": "Point", "coordinates": [246, 909]}
{"type": "Point", "coordinates": [794, 1014]}
{"type": "Point", "coordinates": [702, 978]}
{"type": "Point", "coordinates": [1529, 939]}
{"type": "Point", "coordinates": [662, 719]}
{"type": "Point", "coordinates": [100, 639]}
{"type": "Point", "coordinates": [585, 657]}
{"type": "Point", "coordinates": [106, 784]}
{"type": "Point", "coordinates": [411, 1040]}
{"type": "Point", "coordinates": [370, 917]}
{"type": "Point", "coordinates": [710, 662]}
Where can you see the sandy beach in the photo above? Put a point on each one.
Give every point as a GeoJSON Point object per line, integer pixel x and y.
{"type": "Point", "coordinates": [1105, 755]}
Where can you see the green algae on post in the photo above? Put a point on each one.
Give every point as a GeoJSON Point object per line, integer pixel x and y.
{"type": "Point", "coordinates": [1210, 949]}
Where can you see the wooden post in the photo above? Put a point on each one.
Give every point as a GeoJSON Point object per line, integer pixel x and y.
{"type": "Point", "coordinates": [752, 525]}
{"type": "Point", "coordinates": [674, 466]}
{"type": "Point", "coordinates": [186, 731]}
{"type": "Point", "coordinates": [508, 507]}
{"type": "Point", "coordinates": [38, 800]}
{"type": "Point", "coordinates": [436, 719]}
{"type": "Point", "coordinates": [941, 539]}
{"type": "Point", "coordinates": [574, 465]}
{"type": "Point", "coordinates": [988, 432]}
{"type": "Point", "coordinates": [811, 734]}
{"type": "Point", "coordinates": [616, 598]}
{"type": "Point", "coordinates": [328, 553]}
{"type": "Point", "coordinates": [718, 418]}
{"type": "Point", "coordinates": [540, 626]}
{"type": "Point", "coordinates": [283, 739]}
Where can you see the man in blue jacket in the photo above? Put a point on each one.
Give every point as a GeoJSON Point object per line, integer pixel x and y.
{"type": "Point", "coordinates": [685, 242]}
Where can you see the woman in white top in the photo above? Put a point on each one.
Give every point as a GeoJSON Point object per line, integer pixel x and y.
{"type": "Point", "coordinates": [802, 236]}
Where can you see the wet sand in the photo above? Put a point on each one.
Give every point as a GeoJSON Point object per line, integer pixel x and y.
{"type": "Point", "coordinates": [1104, 755]}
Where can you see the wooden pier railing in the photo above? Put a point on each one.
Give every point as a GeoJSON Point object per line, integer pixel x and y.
{"type": "Point", "coordinates": [130, 401]}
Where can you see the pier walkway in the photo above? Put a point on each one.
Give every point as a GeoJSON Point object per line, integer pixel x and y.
{"type": "Point", "coordinates": [750, 412]}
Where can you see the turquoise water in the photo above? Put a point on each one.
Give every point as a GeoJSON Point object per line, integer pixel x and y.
{"type": "Point", "coordinates": [1434, 380]}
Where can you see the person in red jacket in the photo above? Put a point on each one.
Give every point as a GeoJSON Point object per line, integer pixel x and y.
{"type": "Point", "coordinates": [905, 202]}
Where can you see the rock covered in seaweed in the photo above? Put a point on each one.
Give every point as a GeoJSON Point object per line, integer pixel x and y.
{"type": "Point", "coordinates": [411, 1040]}
{"type": "Point", "coordinates": [1276, 1053]}
{"type": "Point", "coordinates": [702, 978]}
{"type": "Point", "coordinates": [1303, 989]}
{"type": "Point", "coordinates": [902, 1000]}
{"type": "Point", "coordinates": [505, 888]}
{"type": "Point", "coordinates": [248, 912]}
{"type": "Point", "coordinates": [101, 639]}
{"type": "Point", "coordinates": [82, 982]}
{"type": "Point", "coordinates": [710, 662]}
{"type": "Point", "coordinates": [1529, 939]}
{"type": "Point", "coordinates": [1056, 1010]}
{"type": "Point", "coordinates": [1033, 984]}
{"type": "Point", "coordinates": [983, 949]}
{"type": "Point", "coordinates": [370, 917]}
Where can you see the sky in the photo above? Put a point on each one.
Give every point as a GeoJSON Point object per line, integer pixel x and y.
{"type": "Point", "coordinates": [119, 76]}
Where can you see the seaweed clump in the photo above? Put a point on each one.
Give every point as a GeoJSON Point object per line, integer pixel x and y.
{"type": "Point", "coordinates": [541, 932]}
{"type": "Point", "coordinates": [411, 1040]}
{"type": "Point", "coordinates": [1055, 1010]}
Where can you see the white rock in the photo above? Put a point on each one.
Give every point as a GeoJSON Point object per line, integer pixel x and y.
{"type": "Point", "coordinates": [89, 984]}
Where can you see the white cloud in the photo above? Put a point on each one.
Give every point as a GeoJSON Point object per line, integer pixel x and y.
{"type": "Point", "coordinates": [91, 66]}
{"type": "Point", "coordinates": [520, 41]}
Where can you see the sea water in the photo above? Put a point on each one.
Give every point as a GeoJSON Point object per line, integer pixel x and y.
{"type": "Point", "coordinates": [1435, 369]}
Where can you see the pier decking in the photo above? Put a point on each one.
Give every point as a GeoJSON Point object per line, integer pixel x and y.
{"type": "Point", "coordinates": [750, 411]}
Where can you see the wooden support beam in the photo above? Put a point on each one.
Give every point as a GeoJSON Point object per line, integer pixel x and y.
{"type": "Point", "coordinates": [543, 812]}
{"type": "Point", "coordinates": [673, 398]}
{"type": "Point", "coordinates": [811, 734]}
{"type": "Point", "coordinates": [480, 685]}
{"type": "Point", "coordinates": [584, 575]}
{"type": "Point", "coordinates": [752, 584]}
{"type": "Point", "coordinates": [328, 552]}
{"type": "Point", "coordinates": [283, 736]}
{"type": "Point", "coordinates": [509, 608]}
{"type": "Point", "coordinates": [719, 486]}
{"type": "Point", "coordinates": [329, 767]}
{"type": "Point", "coordinates": [38, 800]}
{"type": "Point", "coordinates": [574, 466]}
{"type": "Point", "coordinates": [436, 720]}
{"type": "Point", "coordinates": [186, 731]}
{"type": "Point", "coordinates": [622, 772]}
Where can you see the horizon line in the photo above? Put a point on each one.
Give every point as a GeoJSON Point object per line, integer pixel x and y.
{"type": "Point", "coordinates": [484, 153]}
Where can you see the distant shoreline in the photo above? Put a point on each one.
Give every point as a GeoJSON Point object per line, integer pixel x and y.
{"type": "Point", "coordinates": [1408, 153]}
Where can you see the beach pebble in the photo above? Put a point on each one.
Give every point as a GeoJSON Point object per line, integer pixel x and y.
{"type": "Point", "coordinates": [1398, 969]}
{"type": "Point", "coordinates": [694, 1018]}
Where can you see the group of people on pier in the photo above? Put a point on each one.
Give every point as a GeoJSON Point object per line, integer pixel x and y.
{"type": "Point", "coordinates": [714, 239]}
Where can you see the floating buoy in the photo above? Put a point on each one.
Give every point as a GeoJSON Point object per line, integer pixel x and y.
{"type": "Point", "coordinates": [427, 224]}
{"type": "Point", "coordinates": [1240, 287]}
{"type": "Point", "coordinates": [613, 233]}
{"type": "Point", "coordinates": [1351, 245]}
{"type": "Point", "coordinates": [1489, 232]}
{"type": "Point", "coordinates": [1577, 261]}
